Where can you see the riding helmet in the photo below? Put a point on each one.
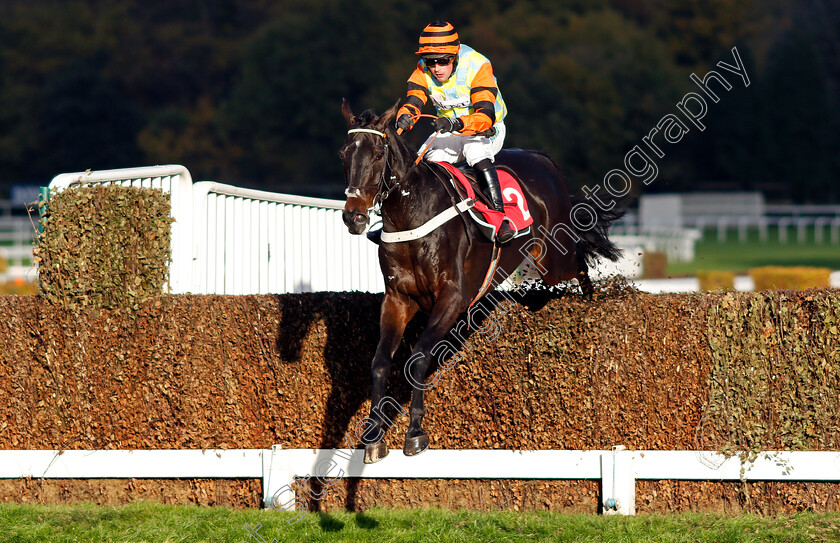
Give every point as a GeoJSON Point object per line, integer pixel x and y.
{"type": "Point", "coordinates": [439, 40]}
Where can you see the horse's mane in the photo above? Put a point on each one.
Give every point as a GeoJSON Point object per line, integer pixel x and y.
{"type": "Point", "coordinates": [366, 117]}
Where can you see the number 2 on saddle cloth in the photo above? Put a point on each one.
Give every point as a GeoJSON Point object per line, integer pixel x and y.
{"type": "Point", "coordinates": [488, 219]}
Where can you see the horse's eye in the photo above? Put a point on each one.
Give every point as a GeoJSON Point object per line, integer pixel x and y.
{"type": "Point", "coordinates": [379, 155]}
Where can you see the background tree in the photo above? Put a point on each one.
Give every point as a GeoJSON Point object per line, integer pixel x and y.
{"type": "Point", "coordinates": [248, 91]}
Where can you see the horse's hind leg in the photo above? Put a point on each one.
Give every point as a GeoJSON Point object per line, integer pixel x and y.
{"type": "Point", "coordinates": [555, 260]}
{"type": "Point", "coordinates": [395, 314]}
{"type": "Point", "coordinates": [441, 320]}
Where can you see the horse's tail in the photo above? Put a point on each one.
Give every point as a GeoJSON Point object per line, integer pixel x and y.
{"type": "Point", "coordinates": [594, 241]}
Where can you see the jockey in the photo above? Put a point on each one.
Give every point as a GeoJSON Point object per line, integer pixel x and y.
{"type": "Point", "coordinates": [460, 82]}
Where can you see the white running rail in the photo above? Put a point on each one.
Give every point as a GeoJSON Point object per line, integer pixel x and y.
{"type": "Point", "coordinates": [616, 469]}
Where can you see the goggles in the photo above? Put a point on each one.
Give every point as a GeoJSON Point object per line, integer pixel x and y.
{"type": "Point", "coordinates": [445, 61]}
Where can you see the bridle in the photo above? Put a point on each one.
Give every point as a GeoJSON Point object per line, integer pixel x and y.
{"type": "Point", "coordinates": [381, 195]}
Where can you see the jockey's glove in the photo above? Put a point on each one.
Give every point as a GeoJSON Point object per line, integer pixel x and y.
{"type": "Point", "coordinates": [449, 124]}
{"type": "Point", "coordinates": [405, 122]}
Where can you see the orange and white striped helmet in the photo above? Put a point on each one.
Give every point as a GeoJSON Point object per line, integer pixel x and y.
{"type": "Point", "coordinates": [439, 39]}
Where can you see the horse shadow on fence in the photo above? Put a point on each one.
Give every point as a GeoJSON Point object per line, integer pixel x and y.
{"type": "Point", "coordinates": [351, 323]}
{"type": "Point", "coordinates": [350, 334]}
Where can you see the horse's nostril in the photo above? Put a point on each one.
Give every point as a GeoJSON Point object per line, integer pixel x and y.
{"type": "Point", "coordinates": [354, 220]}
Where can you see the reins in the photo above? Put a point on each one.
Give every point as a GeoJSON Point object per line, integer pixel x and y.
{"type": "Point", "coordinates": [356, 192]}
{"type": "Point", "coordinates": [426, 146]}
{"type": "Point", "coordinates": [381, 196]}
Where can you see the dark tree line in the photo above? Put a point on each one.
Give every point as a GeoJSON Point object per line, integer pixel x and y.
{"type": "Point", "coordinates": [248, 92]}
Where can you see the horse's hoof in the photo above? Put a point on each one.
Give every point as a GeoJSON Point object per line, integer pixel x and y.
{"type": "Point", "coordinates": [376, 452]}
{"type": "Point", "coordinates": [416, 445]}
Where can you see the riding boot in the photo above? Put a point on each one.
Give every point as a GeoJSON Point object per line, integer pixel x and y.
{"type": "Point", "coordinates": [505, 232]}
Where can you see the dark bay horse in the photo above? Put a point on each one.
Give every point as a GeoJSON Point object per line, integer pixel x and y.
{"type": "Point", "coordinates": [440, 273]}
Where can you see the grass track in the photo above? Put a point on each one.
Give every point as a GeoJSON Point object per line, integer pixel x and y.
{"type": "Point", "coordinates": [149, 522]}
{"type": "Point", "coordinates": [731, 255]}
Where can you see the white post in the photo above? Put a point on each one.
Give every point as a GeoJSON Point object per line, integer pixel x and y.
{"type": "Point", "coordinates": [819, 223]}
{"type": "Point", "coordinates": [721, 229]}
{"type": "Point", "coordinates": [743, 224]}
{"type": "Point", "coordinates": [802, 230]}
{"type": "Point", "coordinates": [618, 482]}
{"type": "Point", "coordinates": [278, 481]}
{"type": "Point", "coordinates": [783, 224]}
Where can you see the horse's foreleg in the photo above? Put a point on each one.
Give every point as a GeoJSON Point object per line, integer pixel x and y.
{"type": "Point", "coordinates": [442, 319]}
{"type": "Point", "coordinates": [396, 312]}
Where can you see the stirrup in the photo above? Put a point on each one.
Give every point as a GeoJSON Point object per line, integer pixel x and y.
{"type": "Point", "coordinates": [505, 233]}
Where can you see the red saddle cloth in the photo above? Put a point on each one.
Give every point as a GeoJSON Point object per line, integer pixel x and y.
{"type": "Point", "coordinates": [516, 207]}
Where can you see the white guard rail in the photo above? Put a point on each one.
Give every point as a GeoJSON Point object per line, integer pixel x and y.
{"type": "Point", "coordinates": [232, 240]}
{"type": "Point", "coordinates": [617, 469]}
{"type": "Point", "coordinates": [254, 242]}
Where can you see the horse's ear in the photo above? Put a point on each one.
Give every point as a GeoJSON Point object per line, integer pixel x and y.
{"type": "Point", "coordinates": [348, 115]}
{"type": "Point", "coordinates": [389, 115]}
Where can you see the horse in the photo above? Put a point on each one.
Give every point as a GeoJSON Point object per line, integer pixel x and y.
{"type": "Point", "coordinates": [442, 272]}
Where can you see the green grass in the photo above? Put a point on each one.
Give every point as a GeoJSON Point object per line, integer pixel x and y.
{"type": "Point", "coordinates": [163, 523]}
{"type": "Point", "coordinates": [731, 255]}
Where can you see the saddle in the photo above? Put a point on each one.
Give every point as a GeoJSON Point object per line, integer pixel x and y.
{"type": "Point", "coordinates": [487, 219]}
